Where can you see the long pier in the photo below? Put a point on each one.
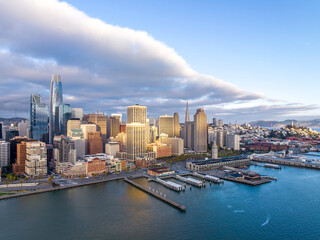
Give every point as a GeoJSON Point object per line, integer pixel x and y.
{"type": "Point", "coordinates": [171, 185]}
{"type": "Point", "coordinates": [208, 177]}
{"type": "Point", "coordinates": [286, 162]}
{"type": "Point", "coordinates": [191, 181]}
{"type": "Point", "coordinates": [24, 194]}
{"type": "Point", "coordinates": [168, 201]}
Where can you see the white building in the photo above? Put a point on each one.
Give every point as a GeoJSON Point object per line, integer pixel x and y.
{"type": "Point", "coordinates": [4, 153]}
{"type": "Point", "coordinates": [36, 159]}
{"type": "Point", "coordinates": [177, 145]}
{"type": "Point", "coordinates": [112, 148]}
{"type": "Point", "coordinates": [233, 141]}
{"type": "Point", "coordinates": [23, 128]}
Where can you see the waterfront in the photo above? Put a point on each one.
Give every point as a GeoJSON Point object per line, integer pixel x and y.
{"type": "Point", "coordinates": [286, 209]}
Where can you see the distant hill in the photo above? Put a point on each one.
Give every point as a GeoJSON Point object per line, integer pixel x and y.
{"type": "Point", "coordinates": [8, 121]}
{"type": "Point", "coordinates": [306, 123]}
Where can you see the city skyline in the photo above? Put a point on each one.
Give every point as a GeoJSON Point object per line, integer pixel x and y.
{"type": "Point", "coordinates": [97, 75]}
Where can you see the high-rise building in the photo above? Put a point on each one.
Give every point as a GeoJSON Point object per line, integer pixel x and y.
{"type": "Point", "coordinates": [95, 143]}
{"type": "Point", "coordinates": [88, 128]}
{"type": "Point", "coordinates": [38, 118]}
{"type": "Point", "coordinates": [177, 145]}
{"type": "Point", "coordinates": [119, 115]}
{"type": "Point", "coordinates": [200, 131]}
{"type": "Point", "coordinates": [187, 114]}
{"type": "Point", "coordinates": [80, 146]}
{"type": "Point", "coordinates": [176, 125]}
{"type": "Point", "coordinates": [56, 99]}
{"type": "Point", "coordinates": [101, 121]}
{"type": "Point", "coordinates": [23, 128]}
{"type": "Point", "coordinates": [73, 123]}
{"type": "Point", "coordinates": [166, 125]}
{"type": "Point", "coordinates": [4, 154]}
{"type": "Point", "coordinates": [64, 117]}
{"type": "Point", "coordinates": [13, 147]}
{"type": "Point", "coordinates": [220, 138]}
{"type": "Point", "coordinates": [220, 123]}
{"type": "Point", "coordinates": [36, 159]}
{"type": "Point", "coordinates": [137, 114]}
{"type": "Point", "coordinates": [136, 140]}
{"type": "Point", "coordinates": [19, 166]}
{"type": "Point", "coordinates": [189, 135]}
{"type": "Point", "coordinates": [123, 127]}
{"type": "Point", "coordinates": [77, 113]}
{"type": "Point", "coordinates": [11, 133]}
{"type": "Point", "coordinates": [233, 141]}
{"type": "Point", "coordinates": [1, 130]}
{"type": "Point", "coordinates": [214, 122]}
{"type": "Point", "coordinates": [64, 150]}
{"type": "Point", "coordinates": [113, 126]}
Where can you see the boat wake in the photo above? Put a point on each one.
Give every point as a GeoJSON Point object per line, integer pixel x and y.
{"type": "Point", "coordinates": [266, 222]}
{"type": "Point", "coordinates": [238, 211]}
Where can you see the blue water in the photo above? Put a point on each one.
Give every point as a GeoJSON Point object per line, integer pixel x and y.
{"type": "Point", "coordinates": [286, 209]}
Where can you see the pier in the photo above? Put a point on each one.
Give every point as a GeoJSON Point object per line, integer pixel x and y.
{"type": "Point", "coordinates": [208, 177]}
{"type": "Point", "coordinates": [191, 181]}
{"type": "Point", "coordinates": [171, 185]}
{"type": "Point", "coordinates": [285, 162]}
{"type": "Point", "coordinates": [162, 198]}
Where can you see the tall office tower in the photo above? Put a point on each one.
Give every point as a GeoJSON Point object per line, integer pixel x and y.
{"type": "Point", "coordinates": [80, 146]}
{"type": "Point", "coordinates": [95, 143]}
{"type": "Point", "coordinates": [77, 113]}
{"type": "Point", "coordinates": [11, 133]}
{"type": "Point", "coordinates": [166, 125]}
{"type": "Point", "coordinates": [189, 135]}
{"type": "Point", "coordinates": [1, 130]}
{"type": "Point", "coordinates": [200, 131]}
{"type": "Point", "coordinates": [38, 118]}
{"type": "Point", "coordinates": [123, 127]}
{"type": "Point", "coordinates": [147, 131]}
{"type": "Point", "coordinates": [101, 121]}
{"type": "Point", "coordinates": [214, 122]}
{"type": "Point", "coordinates": [137, 114]}
{"type": "Point", "coordinates": [220, 123]}
{"type": "Point", "coordinates": [212, 135]}
{"type": "Point", "coordinates": [225, 134]}
{"type": "Point", "coordinates": [153, 134]}
{"type": "Point", "coordinates": [113, 126]}
{"type": "Point", "coordinates": [214, 150]}
{"type": "Point", "coordinates": [64, 117]}
{"type": "Point", "coordinates": [119, 115]}
{"type": "Point", "coordinates": [233, 141]}
{"type": "Point", "coordinates": [4, 154]}
{"type": "Point", "coordinates": [88, 128]}
{"type": "Point", "coordinates": [176, 124]}
{"type": "Point", "coordinates": [220, 138]}
{"type": "Point", "coordinates": [23, 128]}
{"type": "Point", "coordinates": [187, 114]}
{"type": "Point", "coordinates": [36, 159]}
{"type": "Point", "coordinates": [63, 150]}
{"type": "Point", "coordinates": [73, 124]}
{"type": "Point", "coordinates": [136, 140]}
{"type": "Point", "coordinates": [152, 121]}
{"type": "Point", "coordinates": [55, 101]}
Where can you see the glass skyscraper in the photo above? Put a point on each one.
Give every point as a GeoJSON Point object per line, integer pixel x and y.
{"type": "Point", "coordinates": [64, 117]}
{"type": "Point", "coordinates": [54, 103]}
{"type": "Point", "coordinates": [38, 118]}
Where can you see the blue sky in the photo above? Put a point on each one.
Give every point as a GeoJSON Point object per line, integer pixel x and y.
{"type": "Point", "coordinates": [265, 48]}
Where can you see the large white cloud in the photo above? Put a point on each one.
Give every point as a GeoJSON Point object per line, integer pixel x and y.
{"type": "Point", "coordinates": [102, 66]}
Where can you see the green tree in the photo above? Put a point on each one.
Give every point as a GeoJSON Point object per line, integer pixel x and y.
{"type": "Point", "coordinates": [39, 178]}
{"type": "Point", "coordinates": [21, 181]}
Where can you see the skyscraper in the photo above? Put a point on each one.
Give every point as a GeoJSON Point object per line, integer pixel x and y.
{"type": "Point", "coordinates": [77, 113]}
{"type": "Point", "coordinates": [36, 159]}
{"type": "Point", "coordinates": [101, 121]}
{"type": "Point", "coordinates": [176, 124]}
{"type": "Point", "coordinates": [136, 131]}
{"type": "Point", "coordinates": [64, 117]}
{"type": "Point", "coordinates": [200, 131]}
{"type": "Point", "coordinates": [166, 125]}
{"type": "Point", "coordinates": [113, 126]}
{"type": "Point", "coordinates": [55, 101]}
{"type": "Point", "coordinates": [136, 140]}
{"type": "Point", "coordinates": [187, 114]}
{"type": "Point", "coordinates": [4, 154]}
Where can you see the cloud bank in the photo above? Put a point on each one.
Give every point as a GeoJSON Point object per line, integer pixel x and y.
{"type": "Point", "coordinates": [102, 66]}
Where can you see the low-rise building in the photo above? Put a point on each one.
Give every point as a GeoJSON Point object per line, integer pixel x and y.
{"type": "Point", "coordinates": [163, 171]}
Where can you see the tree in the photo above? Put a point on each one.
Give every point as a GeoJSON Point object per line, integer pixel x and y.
{"type": "Point", "coordinates": [21, 181]}
{"type": "Point", "coordinates": [50, 179]}
{"type": "Point", "coordinates": [7, 182]}
{"type": "Point", "coordinates": [39, 178]}
{"type": "Point", "coordinates": [82, 177]}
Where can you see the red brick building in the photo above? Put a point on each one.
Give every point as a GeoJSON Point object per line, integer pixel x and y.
{"type": "Point", "coordinates": [94, 143]}
{"type": "Point", "coordinates": [96, 166]}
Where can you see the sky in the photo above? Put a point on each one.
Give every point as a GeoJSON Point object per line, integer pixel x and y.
{"type": "Point", "coordinates": [239, 60]}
